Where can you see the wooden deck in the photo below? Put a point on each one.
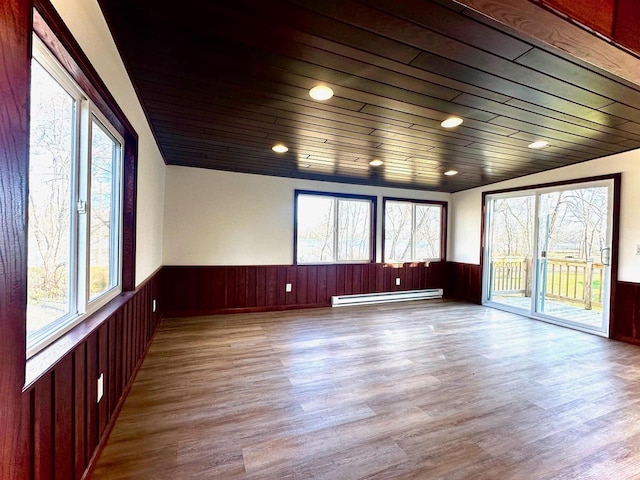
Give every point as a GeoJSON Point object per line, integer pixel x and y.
{"type": "Point", "coordinates": [420, 390]}
{"type": "Point", "coordinates": [562, 310]}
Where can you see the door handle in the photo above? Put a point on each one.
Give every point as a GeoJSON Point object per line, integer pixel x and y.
{"type": "Point", "coordinates": [605, 258]}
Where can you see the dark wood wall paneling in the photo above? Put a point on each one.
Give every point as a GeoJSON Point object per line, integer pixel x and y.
{"type": "Point", "coordinates": [201, 290]}
{"type": "Point", "coordinates": [68, 427]}
{"type": "Point", "coordinates": [626, 325]}
{"type": "Point", "coordinates": [464, 282]}
{"type": "Point", "coordinates": [15, 48]}
{"type": "Point", "coordinates": [615, 19]}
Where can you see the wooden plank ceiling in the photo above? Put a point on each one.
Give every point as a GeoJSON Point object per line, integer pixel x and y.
{"type": "Point", "coordinates": [224, 81]}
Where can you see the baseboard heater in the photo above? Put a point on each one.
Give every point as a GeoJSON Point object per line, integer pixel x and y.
{"type": "Point", "coordinates": [385, 297]}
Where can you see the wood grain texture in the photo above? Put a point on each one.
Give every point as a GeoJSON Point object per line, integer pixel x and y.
{"type": "Point", "coordinates": [464, 282]}
{"type": "Point", "coordinates": [528, 19]}
{"type": "Point", "coordinates": [429, 389]}
{"type": "Point", "coordinates": [627, 312]}
{"type": "Point", "coordinates": [397, 68]}
{"type": "Point", "coordinates": [15, 43]}
{"type": "Point", "coordinates": [200, 290]}
{"type": "Point", "coordinates": [68, 425]}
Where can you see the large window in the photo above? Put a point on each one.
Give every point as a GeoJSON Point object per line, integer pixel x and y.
{"type": "Point", "coordinates": [75, 204]}
{"type": "Point", "coordinates": [334, 228]}
{"type": "Point", "coordinates": [413, 230]}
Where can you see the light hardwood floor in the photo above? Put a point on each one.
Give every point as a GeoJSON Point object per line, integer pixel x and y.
{"type": "Point", "coordinates": [424, 390]}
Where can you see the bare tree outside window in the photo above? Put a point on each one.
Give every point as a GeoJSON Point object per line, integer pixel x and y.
{"type": "Point", "coordinates": [412, 231]}
{"type": "Point", "coordinates": [333, 229]}
{"type": "Point", "coordinates": [50, 174]}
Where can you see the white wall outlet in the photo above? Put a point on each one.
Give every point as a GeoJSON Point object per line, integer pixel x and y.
{"type": "Point", "coordinates": [637, 248]}
{"type": "Point", "coordinates": [153, 305]}
{"type": "Point", "coordinates": [100, 387]}
{"type": "Point", "coordinates": [288, 288]}
{"type": "Point", "coordinates": [397, 280]}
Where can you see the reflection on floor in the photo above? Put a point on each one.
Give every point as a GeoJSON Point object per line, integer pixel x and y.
{"type": "Point", "coordinates": [422, 390]}
{"type": "Point", "coordinates": [555, 308]}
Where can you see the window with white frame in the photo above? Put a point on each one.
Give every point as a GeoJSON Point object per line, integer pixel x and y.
{"type": "Point", "coordinates": [413, 231]}
{"type": "Point", "coordinates": [333, 228]}
{"type": "Point", "coordinates": [75, 204]}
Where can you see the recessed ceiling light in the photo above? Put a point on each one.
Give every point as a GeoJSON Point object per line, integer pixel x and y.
{"type": "Point", "coordinates": [538, 144]}
{"type": "Point", "coordinates": [451, 172]}
{"type": "Point", "coordinates": [376, 163]}
{"type": "Point", "coordinates": [452, 122]}
{"type": "Point", "coordinates": [321, 93]}
{"type": "Point", "coordinates": [279, 148]}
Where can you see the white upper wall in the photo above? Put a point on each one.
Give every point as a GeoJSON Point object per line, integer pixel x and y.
{"type": "Point", "coordinates": [466, 214]}
{"type": "Point", "coordinates": [224, 218]}
{"type": "Point", "coordinates": [87, 24]}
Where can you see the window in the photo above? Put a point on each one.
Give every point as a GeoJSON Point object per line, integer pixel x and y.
{"type": "Point", "coordinates": [334, 228]}
{"type": "Point", "coordinates": [413, 230]}
{"type": "Point", "coordinates": [75, 206]}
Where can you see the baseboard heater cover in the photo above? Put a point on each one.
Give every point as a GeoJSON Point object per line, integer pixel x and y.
{"type": "Point", "coordinates": [385, 297]}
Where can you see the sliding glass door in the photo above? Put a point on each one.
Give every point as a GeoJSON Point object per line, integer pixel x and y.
{"type": "Point", "coordinates": [548, 254]}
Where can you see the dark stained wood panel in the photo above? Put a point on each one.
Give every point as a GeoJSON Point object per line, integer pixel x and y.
{"type": "Point", "coordinates": [192, 290]}
{"type": "Point", "coordinates": [15, 22]}
{"type": "Point", "coordinates": [599, 15]}
{"type": "Point", "coordinates": [67, 425]}
{"type": "Point", "coordinates": [221, 86]}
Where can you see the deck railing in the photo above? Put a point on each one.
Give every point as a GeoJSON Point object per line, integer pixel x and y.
{"type": "Point", "coordinates": [570, 280]}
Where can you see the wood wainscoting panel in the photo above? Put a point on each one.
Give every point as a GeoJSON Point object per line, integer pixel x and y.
{"type": "Point", "coordinates": [626, 311]}
{"type": "Point", "coordinates": [68, 426]}
{"type": "Point", "coordinates": [464, 282]}
{"type": "Point", "coordinates": [203, 290]}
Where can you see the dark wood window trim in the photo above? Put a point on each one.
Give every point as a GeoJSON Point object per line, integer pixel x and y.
{"type": "Point", "coordinates": [50, 28]}
{"type": "Point", "coordinates": [615, 234]}
{"type": "Point", "coordinates": [443, 220]}
{"type": "Point", "coordinates": [374, 214]}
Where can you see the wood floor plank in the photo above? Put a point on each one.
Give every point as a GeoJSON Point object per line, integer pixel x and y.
{"type": "Point", "coordinates": [427, 389]}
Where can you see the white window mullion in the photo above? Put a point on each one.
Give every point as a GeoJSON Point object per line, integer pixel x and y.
{"type": "Point", "coordinates": [336, 236]}
{"type": "Point", "coordinates": [83, 215]}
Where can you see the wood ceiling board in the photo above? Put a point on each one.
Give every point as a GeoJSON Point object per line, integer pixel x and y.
{"type": "Point", "coordinates": [445, 21]}
{"type": "Point", "coordinates": [606, 122]}
{"type": "Point", "coordinates": [423, 116]}
{"type": "Point", "coordinates": [514, 89]}
{"type": "Point", "coordinates": [622, 111]}
{"type": "Point", "coordinates": [235, 83]}
{"type": "Point", "coordinates": [503, 110]}
{"type": "Point", "coordinates": [575, 142]}
{"type": "Point", "coordinates": [418, 24]}
{"type": "Point", "coordinates": [553, 65]}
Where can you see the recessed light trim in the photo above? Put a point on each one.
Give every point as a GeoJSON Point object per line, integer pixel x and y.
{"type": "Point", "coordinates": [452, 122]}
{"type": "Point", "coordinates": [279, 148]}
{"type": "Point", "coordinates": [538, 144]}
{"type": "Point", "coordinates": [321, 93]}
{"type": "Point", "coordinates": [376, 163]}
{"type": "Point", "coordinates": [450, 173]}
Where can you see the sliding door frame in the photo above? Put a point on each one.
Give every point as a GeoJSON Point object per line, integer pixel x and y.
{"type": "Point", "coordinates": [615, 233]}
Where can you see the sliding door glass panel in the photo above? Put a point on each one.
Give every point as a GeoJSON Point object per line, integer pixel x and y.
{"type": "Point", "coordinates": [511, 238]}
{"type": "Point", "coordinates": [573, 255]}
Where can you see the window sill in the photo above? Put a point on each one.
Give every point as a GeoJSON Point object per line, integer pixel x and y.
{"type": "Point", "coordinates": [46, 359]}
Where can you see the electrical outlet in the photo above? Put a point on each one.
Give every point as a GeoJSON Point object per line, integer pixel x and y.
{"type": "Point", "coordinates": [288, 288]}
{"type": "Point", "coordinates": [153, 305]}
{"type": "Point", "coordinates": [397, 280]}
{"type": "Point", "coordinates": [100, 387]}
